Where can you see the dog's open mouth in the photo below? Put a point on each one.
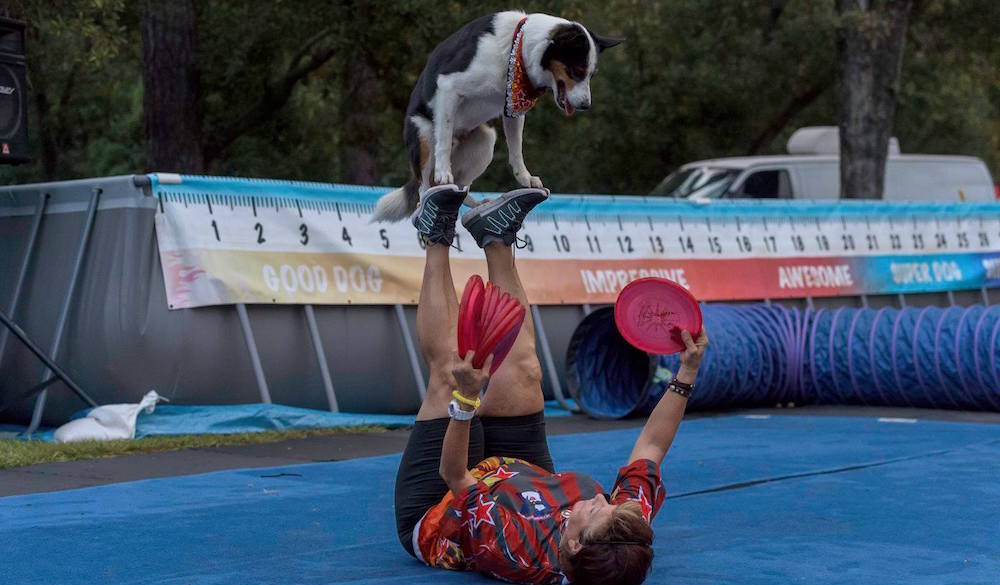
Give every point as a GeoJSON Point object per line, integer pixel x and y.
{"type": "Point", "coordinates": [562, 100]}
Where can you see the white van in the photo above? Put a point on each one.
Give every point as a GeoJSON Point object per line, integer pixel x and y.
{"type": "Point", "coordinates": [911, 177]}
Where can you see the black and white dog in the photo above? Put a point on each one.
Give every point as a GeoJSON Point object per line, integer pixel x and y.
{"type": "Point", "coordinates": [496, 65]}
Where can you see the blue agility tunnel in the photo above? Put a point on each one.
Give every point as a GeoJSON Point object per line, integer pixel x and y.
{"type": "Point", "coordinates": [763, 355]}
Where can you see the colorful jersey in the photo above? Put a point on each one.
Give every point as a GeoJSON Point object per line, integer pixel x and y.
{"type": "Point", "coordinates": [508, 524]}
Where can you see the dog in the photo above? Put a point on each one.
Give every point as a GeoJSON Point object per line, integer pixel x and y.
{"type": "Point", "coordinates": [495, 66]}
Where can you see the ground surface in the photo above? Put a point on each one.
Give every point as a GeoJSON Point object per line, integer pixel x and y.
{"type": "Point", "coordinates": [342, 446]}
{"type": "Point", "coordinates": [754, 498]}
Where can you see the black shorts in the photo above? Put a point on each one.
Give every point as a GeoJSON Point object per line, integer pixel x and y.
{"type": "Point", "coordinates": [418, 483]}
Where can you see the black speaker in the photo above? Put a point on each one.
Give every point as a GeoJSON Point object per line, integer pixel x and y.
{"type": "Point", "coordinates": [13, 93]}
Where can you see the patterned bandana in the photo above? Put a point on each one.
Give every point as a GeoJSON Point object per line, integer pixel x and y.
{"type": "Point", "coordinates": [521, 94]}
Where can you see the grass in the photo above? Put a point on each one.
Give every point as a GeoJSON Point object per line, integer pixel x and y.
{"type": "Point", "coordinates": [17, 453]}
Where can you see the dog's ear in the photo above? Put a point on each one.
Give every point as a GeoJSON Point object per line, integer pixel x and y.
{"type": "Point", "coordinates": [605, 42]}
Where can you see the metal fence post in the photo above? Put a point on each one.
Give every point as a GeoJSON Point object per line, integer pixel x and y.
{"type": "Point", "coordinates": [88, 226]}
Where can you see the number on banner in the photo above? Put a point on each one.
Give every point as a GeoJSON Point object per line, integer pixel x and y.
{"type": "Point", "coordinates": [625, 243]}
{"type": "Point", "coordinates": [216, 228]}
{"type": "Point", "coordinates": [562, 243]}
{"type": "Point", "coordinates": [260, 233]}
{"type": "Point", "coordinates": [385, 238]}
{"type": "Point", "coordinates": [304, 232]}
{"type": "Point", "coordinates": [346, 237]}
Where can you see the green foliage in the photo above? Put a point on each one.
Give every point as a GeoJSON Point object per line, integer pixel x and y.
{"type": "Point", "coordinates": [693, 80]}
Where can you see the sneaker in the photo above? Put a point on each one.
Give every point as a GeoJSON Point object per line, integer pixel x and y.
{"type": "Point", "coordinates": [499, 220]}
{"type": "Point", "coordinates": [437, 213]}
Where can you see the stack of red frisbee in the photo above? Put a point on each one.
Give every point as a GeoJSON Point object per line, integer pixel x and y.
{"type": "Point", "coordinates": [651, 312]}
{"type": "Point", "coordinates": [488, 322]}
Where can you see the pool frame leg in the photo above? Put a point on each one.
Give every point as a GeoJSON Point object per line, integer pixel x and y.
{"type": "Point", "coordinates": [88, 226]}
{"type": "Point", "coordinates": [36, 225]}
{"type": "Point", "coordinates": [324, 369]}
{"type": "Point", "coordinates": [411, 351]}
{"type": "Point", "coordinates": [258, 369]}
{"type": "Point", "coordinates": [550, 365]}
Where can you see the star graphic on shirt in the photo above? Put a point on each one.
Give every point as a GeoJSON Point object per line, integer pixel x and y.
{"type": "Point", "coordinates": [502, 474]}
{"type": "Point", "coordinates": [481, 513]}
{"type": "Point", "coordinates": [647, 508]}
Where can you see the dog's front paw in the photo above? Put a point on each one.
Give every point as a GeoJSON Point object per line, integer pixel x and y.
{"type": "Point", "coordinates": [443, 177]}
{"type": "Point", "coordinates": [526, 179]}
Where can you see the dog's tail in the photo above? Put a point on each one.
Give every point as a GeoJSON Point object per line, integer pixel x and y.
{"type": "Point", "coordinates": [399, 204]}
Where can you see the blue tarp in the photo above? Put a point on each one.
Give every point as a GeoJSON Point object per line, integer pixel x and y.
{"type": "Point", "coordinates": [249, 418]}
{"type": "Point", "coordinates": [786, 499]}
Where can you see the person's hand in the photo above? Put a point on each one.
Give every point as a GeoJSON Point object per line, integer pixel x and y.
{"type": "Point", "coordinates": [693, 352]}
{"type": "Point", "coordinates": [470, 380]}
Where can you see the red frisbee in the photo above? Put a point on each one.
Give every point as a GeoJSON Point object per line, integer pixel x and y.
{"type": "Point", "coordinates": [651, 312]}
{"type": "Point", "coordinates": [489, 321]}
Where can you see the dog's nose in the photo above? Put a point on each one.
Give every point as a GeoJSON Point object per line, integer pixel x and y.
{"type": "Point", "coordinates": [583, 106]}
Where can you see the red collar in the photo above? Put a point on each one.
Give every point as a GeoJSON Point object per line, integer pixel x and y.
{"type": "Point", "coordinates": [521, 93]}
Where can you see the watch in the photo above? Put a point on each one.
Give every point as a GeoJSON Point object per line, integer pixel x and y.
{"type": "Point", "coordinates": [681, 388]}
{"type": "Point", "coordinates": [455, 411]}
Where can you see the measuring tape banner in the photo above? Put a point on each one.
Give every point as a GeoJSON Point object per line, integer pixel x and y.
{"type": "Point", "coordinates": [224, 241]}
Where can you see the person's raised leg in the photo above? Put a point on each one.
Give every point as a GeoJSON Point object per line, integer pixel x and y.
{"type": "Point", "coordinates": [418, 482]}
{"type": "Point", "coordinates": [512, 411]}
{"type": "Point", "coordinates": [518, 380]}
{"type": "Point", "coordinates": [437, 319]}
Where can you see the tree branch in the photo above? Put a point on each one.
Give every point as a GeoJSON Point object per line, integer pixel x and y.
{"type": "Point", "coordinates": [782, 118]}
{"type": "Point", "coordinates": [777, 8]}
{"type": "Point", "coordinates": [308, 59]}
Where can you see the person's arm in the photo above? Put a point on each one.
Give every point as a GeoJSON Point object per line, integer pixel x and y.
{"type": "Point", "coordinates": [661, 427]}
{"type": "Point", "coordinates": [454, 467]}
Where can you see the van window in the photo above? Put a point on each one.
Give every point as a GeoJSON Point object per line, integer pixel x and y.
{"type": "Point", "coordinates": [697, 182]}
{"type": "Point", "coordinates": [772, 184]}
{"type": "Point", "coordinates": [937, 180]}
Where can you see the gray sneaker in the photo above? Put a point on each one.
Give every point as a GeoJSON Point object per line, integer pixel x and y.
{"type": "Point", "coordinates": [499, 220]}
{"type": "Point", "coordinates": [437, 213]}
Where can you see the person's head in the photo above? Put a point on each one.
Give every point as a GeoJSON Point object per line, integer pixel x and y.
{"type": "Point", "coordinates": [606, 543]}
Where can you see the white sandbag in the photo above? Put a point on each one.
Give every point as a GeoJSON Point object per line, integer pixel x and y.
{"type": "Point", "coordinates": [105, 423]}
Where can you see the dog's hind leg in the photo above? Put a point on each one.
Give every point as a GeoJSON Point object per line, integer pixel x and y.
{"type": "Point", "coordinates": [399, 204]}
{"type": "Point", "coordinates": [472, 154]}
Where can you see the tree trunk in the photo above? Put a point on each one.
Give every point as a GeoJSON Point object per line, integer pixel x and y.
{"type": "Point", "coordinates": [170, 77]}
{"type": "Point", "coordinates": [359, 133]}
{"type": "Point", "coordinates": [870, 40]}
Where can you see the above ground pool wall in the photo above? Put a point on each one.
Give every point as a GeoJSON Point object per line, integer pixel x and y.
{"type": "Point", "coordinates": [120, 340]}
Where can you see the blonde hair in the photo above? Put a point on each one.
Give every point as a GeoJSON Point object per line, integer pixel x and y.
{"type": "Point", "coordinates": [618, 551]}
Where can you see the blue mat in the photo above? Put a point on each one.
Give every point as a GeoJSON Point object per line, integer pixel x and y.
{"type": "Point", "coordinates": [751, 500]}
